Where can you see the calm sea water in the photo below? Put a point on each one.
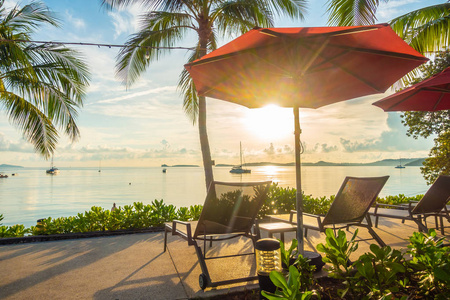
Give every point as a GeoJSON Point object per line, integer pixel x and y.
{"type": "Point", "coordinates": [33, 194]}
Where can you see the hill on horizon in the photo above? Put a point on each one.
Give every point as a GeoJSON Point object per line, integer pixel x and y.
{"type": "Point", "coordinates": [379, 163]}
{"type": "Point", "coordinates": [4, 166]}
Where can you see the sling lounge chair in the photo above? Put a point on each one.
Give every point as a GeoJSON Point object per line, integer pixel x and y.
{"type": "Point", "coordinates": [229, 211]}
{"type": "Point", "coordinates": [433, 203]}
{"type": "Point", "coordinates": [349, 207]}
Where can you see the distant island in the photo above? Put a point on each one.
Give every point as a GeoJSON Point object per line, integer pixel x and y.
{"type": "Point", "coordinates": [4, 166]}
{"type": "Point", "coordinates": [178, 166]}
{"type": "Point", "coordinates": [407, 162]}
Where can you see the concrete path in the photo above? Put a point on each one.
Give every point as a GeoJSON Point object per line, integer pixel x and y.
{"type": "Point", "coordinates": [135, 266]}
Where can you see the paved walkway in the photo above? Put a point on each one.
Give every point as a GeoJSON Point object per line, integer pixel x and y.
{"type": "Point", "coordinates": [135, 266]}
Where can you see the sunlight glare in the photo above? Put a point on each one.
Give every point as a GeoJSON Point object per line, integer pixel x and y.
{"type": "Point", "coordinates": [270, 122]}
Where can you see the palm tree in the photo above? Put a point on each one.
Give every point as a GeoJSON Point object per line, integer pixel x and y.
{"type": "Point", "coordinates": [425, 29]}
{"type": "Point", "coordinates": [41, 86]}
{"type": "Point", "coordinates": [167, 22]}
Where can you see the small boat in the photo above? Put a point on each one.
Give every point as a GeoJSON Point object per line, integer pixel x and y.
{"type": "Point", "coordinates": [400, 166]}
{"type": "Point", "coordinates": [239, 169]}
{"type": "Point", "coordinates": [164, 170]}
{"type": "Point", "coordinates": [3, 176]}
{"type": "Point", "coordinates": [53, 170]}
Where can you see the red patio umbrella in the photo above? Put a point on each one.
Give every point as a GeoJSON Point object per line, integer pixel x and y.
{"type": "Point", "coordinates": [304, 67]}
{"type": "Point", "coordinates": [432, 94]}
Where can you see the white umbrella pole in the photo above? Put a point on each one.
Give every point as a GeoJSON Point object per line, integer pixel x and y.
{"type": "Point", "coordinates": [298, 178]}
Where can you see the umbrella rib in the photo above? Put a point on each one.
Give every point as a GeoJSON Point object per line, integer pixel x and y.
{"type": "Point", "coordinates": [378, 52]}
{"type": "Point", "coordinates": [437, 89]}
{"type": "Point", "coordinates": [269, 32]}
{"type": "Point", "coordinates": [330, 60]}
{"type": "Point", "coordinates": [438, 102]}
{"type": "Point", "coordinates": [403, 100]}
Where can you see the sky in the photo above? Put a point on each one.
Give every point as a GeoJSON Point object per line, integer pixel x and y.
{"type": "Point", "coordinates": [144, 125]}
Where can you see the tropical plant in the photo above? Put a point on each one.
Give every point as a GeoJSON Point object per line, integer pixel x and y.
{"type": "Point", "coordinates": [430, 264]}
{"type": "Point", "coordinates": [290, 289]}
{"type": "Point", "coordinates": [337, 252]}
{"type": "Point", "coordinates": [378, 272]}
{"type": "Point", "coordinates": [426, 29]}
{"type": "Point", "coordinates": [166, 22]}
{"type": "Point", "coordinates": [41, 86]}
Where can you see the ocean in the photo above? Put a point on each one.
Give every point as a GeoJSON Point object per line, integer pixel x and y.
{"type": "Point", "coordinates": [32, 194]}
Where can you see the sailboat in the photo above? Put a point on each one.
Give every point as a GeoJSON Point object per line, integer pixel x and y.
{"type": "Point", "coordinates": [239, 169]}
{"type": "Point", "coordinates": [400, 166]}
{"type": "Point", "coordinates": [100, 166]}
{"type": "Point", "coordinates": [53, 170]}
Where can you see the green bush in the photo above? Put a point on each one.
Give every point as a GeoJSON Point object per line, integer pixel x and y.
{"type": "Point", "coordinates": [136, 216]}
{"type": "Point", "coordinates": [423, 272]}
{"type": "Point", "coordinates": [280, 201]}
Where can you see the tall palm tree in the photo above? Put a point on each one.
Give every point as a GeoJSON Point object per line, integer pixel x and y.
{"type": "Point", "coordinates": [41, 86]}
{"type": "Point", "coordinates": [168, 21]}
{"type": "Point", "coordinates": [426, 29]}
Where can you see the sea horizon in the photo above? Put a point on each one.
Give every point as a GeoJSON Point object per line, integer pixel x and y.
{"type": "Point", "coordinates": [32, 194]}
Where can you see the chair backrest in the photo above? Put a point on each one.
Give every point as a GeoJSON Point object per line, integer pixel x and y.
{"type": "Point", "coordinates": [354, 199]}
{"type": "Point", "coordinates": [231, 207]}
{"type": "Point", "coordinates": [435, 198]}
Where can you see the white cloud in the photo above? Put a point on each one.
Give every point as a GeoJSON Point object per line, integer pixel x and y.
{"type": "Point", "coordinates": [124, 22]}
{"type": "Point", "coordinates": [73, 21]}
{"type": "Point", "coordinates": [394, 8]}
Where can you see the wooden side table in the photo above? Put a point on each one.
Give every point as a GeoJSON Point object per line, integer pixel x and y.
{"type": "Point", "coordinates": [277, 227]}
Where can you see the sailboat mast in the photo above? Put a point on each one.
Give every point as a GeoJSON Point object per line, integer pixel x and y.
{"type": "Point", "coordinates": [240, 151]}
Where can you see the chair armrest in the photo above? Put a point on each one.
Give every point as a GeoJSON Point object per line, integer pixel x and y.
{"type": "Point", "coordinates": [291, 215]}
{"type": "Point", "coordinates": [402, 207]}
{"type": "Point", "coordinates": [188, 230]}
{"type": "Point", "coordinates": [319, 221]}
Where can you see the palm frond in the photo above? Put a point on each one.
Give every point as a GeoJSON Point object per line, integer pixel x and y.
{"type": "Point", "coordinates": [36, 127]}
{"type": "Point", "coordinates": [352, 12]}
{"type": "Point", "coordinates": [425, 29]}
{"type": "Point", "coordinates": [42, 86]}
{"type": "Point", "coordinates": [241, 16]}
{"type": "Point", "coordinates": [160, 29]}
{"type": "Point", "coordinates": [165, 5]}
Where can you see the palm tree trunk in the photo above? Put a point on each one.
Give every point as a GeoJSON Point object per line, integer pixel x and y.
{"type": "Point", "coordinates": [204, 33]}
{"type": "Point", "coordinates": [204, 142]}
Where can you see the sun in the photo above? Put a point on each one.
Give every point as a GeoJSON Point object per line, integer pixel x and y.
{"type": "Point", "coordinates": [270, 122]}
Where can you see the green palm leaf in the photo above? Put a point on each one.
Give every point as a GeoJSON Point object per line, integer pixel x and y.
{"type": "Point", "coordinates": [42, 86]}
{"type": "Point", "coordinates": [426, 29]}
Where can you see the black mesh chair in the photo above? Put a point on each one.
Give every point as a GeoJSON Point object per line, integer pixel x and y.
{"type": "Point", "coordinates": [349, 207]}
{"type": "Point", "coordinates": [433, 203]}
{"type": "Point", "coordinates": [229, 211]}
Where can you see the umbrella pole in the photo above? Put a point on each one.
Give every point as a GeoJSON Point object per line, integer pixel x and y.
{"type": "Point", "coordinates": [298, 179]}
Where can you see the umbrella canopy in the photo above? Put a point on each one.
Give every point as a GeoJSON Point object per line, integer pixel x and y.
{"type": "Point", "coordinates": [304, 67]}
{"type": "Point", "coordinates": [432, 94]}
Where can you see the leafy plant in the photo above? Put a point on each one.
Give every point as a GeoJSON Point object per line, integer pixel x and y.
{"type": "Point", "coordinates": [288, 289]}
{"type": "Point", "coordinates": [430, 263]}
{"type": "Point", "coordinates": [337, 252]}
{"type": "Point", "coordinates": [17, 230]}
{"type": "Point", "coordinates": [290, 254]}
{"type": "Point", "coordinates": [377, 272]}
{"type": "Point", "coordinates": [290, 257]}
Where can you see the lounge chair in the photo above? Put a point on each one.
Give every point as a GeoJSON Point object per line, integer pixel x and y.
{"type": "Point", "coordinates": [433, 203]}
{"type": "Point", "coordinates": [349, 207]}
{"type": "Point", "coordinates": [229, 211]}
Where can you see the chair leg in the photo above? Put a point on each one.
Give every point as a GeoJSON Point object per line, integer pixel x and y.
{"type": "Point", "coordinates": [306, 232]}
{"type": "Point", "coordinates": [442, 224]}
{"type": "Point", "coordinates": [420, 225]}
{"type": "Point", "coordinates": [376, 237]}
{"type": "Point", "coordinates": [165, 239]}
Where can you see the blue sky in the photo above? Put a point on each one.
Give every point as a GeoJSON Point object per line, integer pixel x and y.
{"type": "Point", "coordinates": [145, 125]}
